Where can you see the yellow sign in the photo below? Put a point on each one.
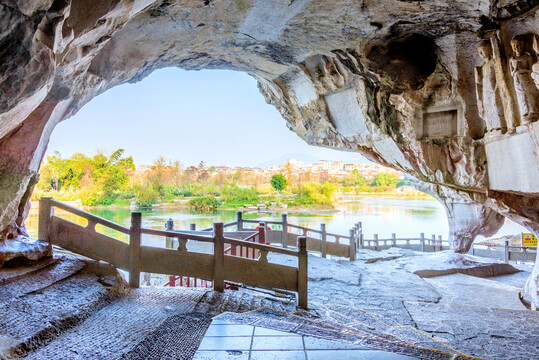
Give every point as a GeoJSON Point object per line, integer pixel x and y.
{"type": "Point", "coordinates": [528, 239]}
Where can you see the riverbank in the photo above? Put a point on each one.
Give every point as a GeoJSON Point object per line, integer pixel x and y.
{"type": "Point", "coordinates": [405, 192]}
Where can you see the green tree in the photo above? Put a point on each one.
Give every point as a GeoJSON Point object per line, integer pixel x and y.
{"type": "Point", "coordinates": [385, 180]}
{"type": "Point", "coordinates": [279, 182]}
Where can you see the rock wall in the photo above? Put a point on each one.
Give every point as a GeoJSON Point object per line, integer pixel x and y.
{"type": "Point", "coordinates": [446, 91]}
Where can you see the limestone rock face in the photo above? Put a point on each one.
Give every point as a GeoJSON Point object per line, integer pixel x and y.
{"type": "Point", "coordinates": [467, 218]}
{"type": "Point", "coordinates": [402, 82]}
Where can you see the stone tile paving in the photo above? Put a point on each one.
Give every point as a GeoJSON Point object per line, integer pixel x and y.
{"type": "Point", "coordinates": [228, 340]}
{"type": "Point", "coordinates": [304, 323]}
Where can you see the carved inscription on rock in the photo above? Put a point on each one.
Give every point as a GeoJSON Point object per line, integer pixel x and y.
{"type": "Point", "coordinates": [437, 124]}
{"type": "Point", "coordinates": [345, 112]}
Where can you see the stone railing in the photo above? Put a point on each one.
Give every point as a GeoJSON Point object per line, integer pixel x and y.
{"type": "Point", "coordinates": [136, 258]}
{"type": "Point", "coordinates": [420, 243]}
{"type": "Point", "coordinates": [505, 252]}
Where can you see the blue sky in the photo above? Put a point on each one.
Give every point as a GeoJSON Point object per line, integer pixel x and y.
{"type": "Point", "coordinates": [214, 116]}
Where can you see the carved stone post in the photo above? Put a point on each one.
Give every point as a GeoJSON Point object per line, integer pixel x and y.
{"type": "Point", "coordinates": [262, 232]}
{"type": "Point", "coordinates": [506, 251]}
{"type": "Point", "coordinates": [302, 272]}
{"type": "Point", "coordinates": [284, 235]}
{"type": "Point", "coordinates": [239, 221]}
{"type": "Point", "coordinates": [134, 249]}
{"type": "Point", "coordinates": [323, 238]}
{"type": "Point", "coordinates": [169, 226]}
{"type": "Point", "coordinates": [45, 213]}
{"type": "Point", "coordinates": [218, 257]}
{"type": "Point", "coordinates": [376, 242]}
{"type": "Point", "coordinates": [422, 236]}
{"type": "Point", "coordinates": [352, 244]}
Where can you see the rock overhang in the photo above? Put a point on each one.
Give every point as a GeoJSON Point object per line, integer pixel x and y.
{"type": "Point", "coordinates": [399, 81]}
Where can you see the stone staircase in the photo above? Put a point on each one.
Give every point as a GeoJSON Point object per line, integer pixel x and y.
{"type": "Point", "coordinates": [67, 307]}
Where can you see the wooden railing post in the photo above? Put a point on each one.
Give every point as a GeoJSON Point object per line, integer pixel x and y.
{"type": "Point", "coordinates": [440, 246]}
{"type": "Point", "coordinates": [218, 257]}
{"type": "Point", "coordinates": [433, 242]}
{"type": "Point", "coordinates": [422, 239]}
{"type": "Point", "coordinates": [134, 249]}
{"type": "Point", "coordinates": [506, 252]}
{"type": "Point", "coordinates": [376, 242]}
{"type": "Point", "coordinates": [394, 239]}
{"type": "Point", "coordinates": [323, 238]}
{"type": "Point", "coordinates": [239, 221]}
{"type": "Point", "coordinates": [352, 244]}
{"type": "Point", "coordinates": [284, 234]}
{"type": "Point", "coordinates": [361, 240]}
{"type": "Point", "coordinates": [302, 272]}
{"type": "Point", "coordinates": [45, 213]}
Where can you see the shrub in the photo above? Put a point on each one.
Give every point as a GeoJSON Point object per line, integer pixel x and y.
{"type": "Point", "coordinates": [233, 195]}
{"type": "Point", "coordinates": [205, 203]}
{"type": "Point", "coordinates": [146, 195]}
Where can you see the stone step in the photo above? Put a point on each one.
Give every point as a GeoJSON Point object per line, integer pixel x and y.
{"type": "Point", "coordinates": [118, 328]}
{"type": "Point", "coordinates": [238, 301]}
{"type": "Point", "coordinates": [38, 306]}
{"type": "Point", "coordinates": [39, 276]}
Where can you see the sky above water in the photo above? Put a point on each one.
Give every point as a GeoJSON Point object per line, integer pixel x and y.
{"type": "Point", "coordinates": [214, 116]}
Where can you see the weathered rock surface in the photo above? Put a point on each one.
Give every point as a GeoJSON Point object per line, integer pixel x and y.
{"type": "Point", "coordinates": [457, 313]}
{"type": "Point", "coordinates": [448, 262]}
{"type": "Point", "coordinates": [400, 81]}
{"type": "Point", "coordinates": [23, 247]}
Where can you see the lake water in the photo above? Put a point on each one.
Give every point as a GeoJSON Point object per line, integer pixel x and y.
{"type": "Point", "coordinates": [379, 214]}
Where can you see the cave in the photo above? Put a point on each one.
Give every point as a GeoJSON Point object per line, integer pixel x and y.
{"type": "Point", "coordinates": [400, 82]}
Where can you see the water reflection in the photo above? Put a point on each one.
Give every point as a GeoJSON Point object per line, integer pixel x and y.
{"type": "Point", "coordinates": [379, 214]}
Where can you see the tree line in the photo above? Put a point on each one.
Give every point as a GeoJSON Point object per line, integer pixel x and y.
{"type": "Point", "coordinates": [113, 180]}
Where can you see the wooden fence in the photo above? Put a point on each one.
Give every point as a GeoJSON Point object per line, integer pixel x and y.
{"type": "Point", "coordinates": [136, 258]}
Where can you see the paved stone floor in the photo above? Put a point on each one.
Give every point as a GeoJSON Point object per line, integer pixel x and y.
{"type": "Point", "coordinates": [228, 340]}
{"type": "Point", "coordinates": [68, 308]}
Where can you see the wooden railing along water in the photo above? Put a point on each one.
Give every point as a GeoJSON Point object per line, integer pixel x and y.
{"type": "Point", "coordinates": [135, 257]}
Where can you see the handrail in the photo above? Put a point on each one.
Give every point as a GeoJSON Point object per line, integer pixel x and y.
{"type": "Point", "coordinates": [250, 237]}
{"type": "Point", "coordinates": [271, 222]}
{"type": "Point", "coordinates": [261, 247]}
{"type": "Point", "coordinates": [135, 258]}
{"type": "Point", "coordinates": [230, 224]}
{"type": "Point", "coordinates": [337, 235]}
{"type": "Point", "coordinates": [314, 230]}
{"type": "Point", "coordinates": [187, 235]}
{"type": "Point", "coordinates": [90, 217]}
{"type": "Point", "coordinates": [251, 221]}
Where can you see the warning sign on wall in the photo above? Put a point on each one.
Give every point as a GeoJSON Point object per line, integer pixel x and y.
{"type": "Point", "coordinates": [528, 239]}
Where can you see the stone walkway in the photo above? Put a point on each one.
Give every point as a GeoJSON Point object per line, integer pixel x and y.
{"type": "Point", "coordinates": [380, 296]}
{"type": "Point", "coordinates": [228, 340]}
{"type": "Point", "coordinates": [66, 307]}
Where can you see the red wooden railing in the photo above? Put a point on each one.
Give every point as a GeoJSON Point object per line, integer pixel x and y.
{"type": "Point", "coordinates": [234, 250]}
